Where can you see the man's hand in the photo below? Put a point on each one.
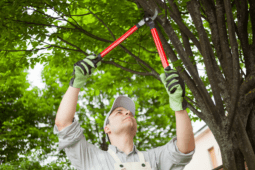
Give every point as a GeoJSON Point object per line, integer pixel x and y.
{"type": "Point", "coordinates": [82, 70]}
{"type": "Point", "coordinates": [176, 97]}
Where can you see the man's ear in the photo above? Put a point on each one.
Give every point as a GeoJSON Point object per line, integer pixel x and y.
{"type": "Point", "coordinates": [107, 129]}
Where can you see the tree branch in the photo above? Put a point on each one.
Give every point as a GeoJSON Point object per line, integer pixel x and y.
{"type": "Point", "coordinates": [141, 61]}
{"type": "Point", "coordinates": [202, 9]}
{"type": "Point", "coordinates": [79, 27]}
{"type": "Point", "coordinates": [49, 16]}
{"type": "Point", "coordinates": [28, 50]}
{"type": "Point", "coordinates": [87, 33]}
{"type": "Point", "coordinates": [104, 40]}
{"type": "Point", "coordinates": [73, 46]}
{"type": "Point", "coordinates": [236, 76]}
{"type": "Point", "coordinates": [247, 85]}
{"type": "Point", "coordinates": [249, 97]}
{"type": "Point", "coordinates": [184, 36]}
{"type": "Point", "coordinates": [103, 24]}
{"type": "Point", "coordinates": [181, 25]}
{"type": "Point", "coordinates": [193, 8]}
{"type": "Point", "coordinates": [243, 16]}
{"type": "Point", "coordinates": [160, 19]}
{"type": "Point", "coordinates": [123, 61]}
{"type": "Point", "coordinates": [198, 105]}
{"type": "Point", "coordinates": [210, 12]}
{"type": "Point", "coordinates": [184, 13]}
{"type": "Point", "coordinates": [198, 82]}
{"type": "Point", "coordinates": [129, 70]}
{"type": "Point", "coordinates": [252, 16]}
{"type": "Point", "coordinates": [195, 111]}
{"type": "Point", "coordinates": [33, 23]}
{"type": "Point", "coordinates": [73, 19]}
{"type": "Point", "coordinates": [42, 49]}
{"type": "Point", "coordinates": [154, 52]}
{"type": "Point", "coordinates": [226, 60]}
{"type": "Point", "coordinates": [78, 15]}
{"type": "Point", "coordinates": [137, 58]}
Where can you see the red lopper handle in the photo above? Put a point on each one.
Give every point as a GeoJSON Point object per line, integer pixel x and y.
{"type": "Point", "coordinates": [118, 41]}
{"type": "Point", "coordinates": [159, 47]}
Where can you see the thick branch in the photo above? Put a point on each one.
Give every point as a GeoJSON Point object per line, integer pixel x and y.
{"type": "Point", "coordinates": [236, 76]}
{"type": "Point", "coordinates": [252, 16]}
{"type": "Point", "coordinates": [211, 14]}
{"type": "Point", "coordinates": [184, 36]}
{"type": "Point", "coordinates": [242, 16]}
{"type": "Point", "coordinates": [193, 8]}
{"type": "Point", "coordinates": [227, 63]}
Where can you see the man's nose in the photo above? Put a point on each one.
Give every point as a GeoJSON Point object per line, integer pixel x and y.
{"type": "Point", "coordinates": [128, 112]}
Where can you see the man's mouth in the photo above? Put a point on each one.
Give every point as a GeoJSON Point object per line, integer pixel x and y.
{"type": "Point", "coordinates": [127, 118]}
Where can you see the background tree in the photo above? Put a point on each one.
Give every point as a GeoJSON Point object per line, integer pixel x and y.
{"type": "Point", "coordinates": [217, 34]}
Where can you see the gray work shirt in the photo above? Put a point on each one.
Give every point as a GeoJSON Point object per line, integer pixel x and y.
{"type": "Point", "coordinates": [86, 156]}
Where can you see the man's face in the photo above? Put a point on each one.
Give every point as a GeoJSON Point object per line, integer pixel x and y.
{"type": "Point", "coordinates": [122, 120]}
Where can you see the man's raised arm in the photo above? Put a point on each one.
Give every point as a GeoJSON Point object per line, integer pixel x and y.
{"type": "Point", "coordinates": [67, 108]}
{"type": "Point", "coordinates": [175, 88]}
{"type": "Point", "coordinates": [82, 70]}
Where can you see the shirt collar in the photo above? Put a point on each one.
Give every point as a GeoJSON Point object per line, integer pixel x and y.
{"type": "Point", "coordinates": [116, 150]}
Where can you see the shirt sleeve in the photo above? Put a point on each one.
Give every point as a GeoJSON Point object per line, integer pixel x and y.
{"type": "Point", "coordinates": [78, 150]}
{"type": "Point", "coordinates": [168, 156]}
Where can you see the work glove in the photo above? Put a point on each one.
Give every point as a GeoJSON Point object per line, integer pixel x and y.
{"type": "Point", "coordinates": [175, 88]}
{"type": "Point", "coordinates": [82, 70]}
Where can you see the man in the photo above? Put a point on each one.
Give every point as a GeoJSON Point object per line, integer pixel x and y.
{"type": "Point", "coordinates": [120, 127]}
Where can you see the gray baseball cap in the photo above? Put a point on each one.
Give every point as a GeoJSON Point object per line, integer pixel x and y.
{"type": "Point", "coordinates": [121, 101]}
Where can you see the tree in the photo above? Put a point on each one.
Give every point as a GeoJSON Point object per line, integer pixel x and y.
{"type": "Point", "coordinates": [217, 34]}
